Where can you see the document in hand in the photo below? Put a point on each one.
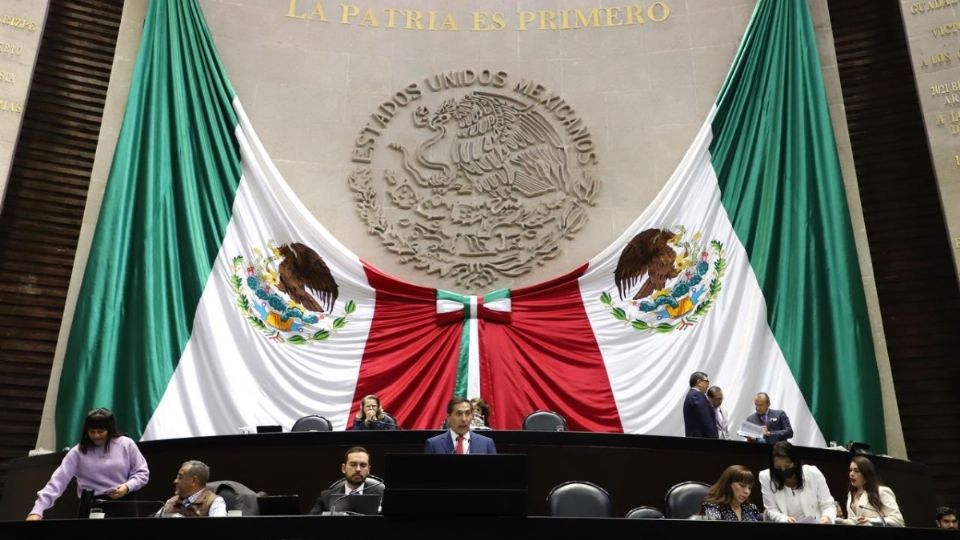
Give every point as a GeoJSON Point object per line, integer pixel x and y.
{"type": "Point", "coordinates": [750, 430]}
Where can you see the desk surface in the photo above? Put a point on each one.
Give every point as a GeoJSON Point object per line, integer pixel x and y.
{"type": "Point", "coordinates": [636, 470]}
{"type": "Point", "coordinates": [436, 527]}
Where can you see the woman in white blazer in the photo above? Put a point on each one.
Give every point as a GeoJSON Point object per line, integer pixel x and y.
{"type": "Point", "coordinates": [794, 492]}
{"type": "Point", "coordinates": [869, 503]}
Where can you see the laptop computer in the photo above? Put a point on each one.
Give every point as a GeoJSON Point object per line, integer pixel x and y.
{"type": "Point", "coordinates": [279, 505]}
{"type": "Point", "coordinates": [129, 506]}
{"type": "Point", "coordinates": [126, 509]}
{"type": "Point", "coordinates": [367, 504]}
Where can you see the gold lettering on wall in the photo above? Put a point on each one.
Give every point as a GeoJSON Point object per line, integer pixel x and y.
{"type": "Point", "coordinates": [488, 22]}
{"type": "Point", "coordinates": [945, 30]}
{"type": "Point", "coordinates": [7, 77]}
{"type": "Point", "coordinates": [931, 5]}
{"type": "Point", "coordinates": [480, 21]}
{"type": "Point", "coordinates": [18, 22]}
{"type": "Point", "coordinates": [317, 14]}
{"type": "Point", "coordinates": [10, 48]}
{"type": "Point", "coordinates": [935, 60]}
{"type": "Point", "coordinates": [11, 106]}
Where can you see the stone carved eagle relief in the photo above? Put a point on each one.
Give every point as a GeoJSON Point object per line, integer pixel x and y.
{"type": "Point", "coordinates": [481, 189]}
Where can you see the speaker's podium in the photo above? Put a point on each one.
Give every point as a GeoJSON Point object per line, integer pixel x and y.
{"type": "Point", "coordinates": [449, 484]}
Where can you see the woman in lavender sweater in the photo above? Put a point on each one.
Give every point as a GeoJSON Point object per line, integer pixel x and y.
{"type": "Point", "coordinates": [105, 462]}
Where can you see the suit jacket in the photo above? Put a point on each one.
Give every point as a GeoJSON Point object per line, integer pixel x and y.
{"type": "Point", "coordinates": [329, 496]}
{"type": "Point", "coordinates": [777, 423]}
{"type": "Point", "coordinates": [888, 516]}
{"type": "Point", "coordinates": [699, 420]}
{"type": "Point", "coordinates": [443, 444]}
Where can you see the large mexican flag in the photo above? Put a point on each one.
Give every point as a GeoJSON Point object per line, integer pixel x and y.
{"type": "Point", "coordinates": [213, 299]}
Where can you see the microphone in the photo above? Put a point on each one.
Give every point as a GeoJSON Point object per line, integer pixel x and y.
{"type": "Point", "coordinates": [882, 520]}
{"type": "Point", "coordinates": [333, 505]}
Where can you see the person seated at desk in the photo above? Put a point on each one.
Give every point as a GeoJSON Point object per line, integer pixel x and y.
{"type": "Point", "coordinates": [371, 415]}
{"type": "Point", "coordinates": [104, 462]}
{"type": "Point", "coordinates": [946, 517]}
{"type": "Point", "coordinates": [868, 502]}
{"type": "Point", "coordinates": [192, 498]}
{"type": "Point", "coordinates": [481, 411]}
{"type": "Point", "coordinates": [794, 492]}
{"type": "Point", "coordinates": [774, 423]}
{"type": "Point", "coordinates": [355, 469]}
{"type": "Point", "coordinates": [727, 498]}
{"type": "Point", "coordinates": [458, 439]}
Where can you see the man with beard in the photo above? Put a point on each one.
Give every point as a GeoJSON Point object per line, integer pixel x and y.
{"type": "Point", "coordinates": [355, 469]}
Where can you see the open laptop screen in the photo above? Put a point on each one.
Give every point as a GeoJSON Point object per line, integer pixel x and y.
{"type": "Point", "coordinates": [366, 503]}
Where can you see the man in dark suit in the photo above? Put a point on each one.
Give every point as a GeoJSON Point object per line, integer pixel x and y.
{"type": "Point", "coordinates": [355, 469]}
{"type": "Point", "coordinates": [774, 423]}
{"type": "Point", "coordinates": [699, 419]}
{"type": "Point", "coordinates": [458, 439]}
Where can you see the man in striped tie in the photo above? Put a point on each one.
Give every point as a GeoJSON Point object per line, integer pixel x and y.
{"type": "Point", "coordinates": [458, 439]}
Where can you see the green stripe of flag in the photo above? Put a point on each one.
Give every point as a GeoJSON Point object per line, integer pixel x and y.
{"type": "Point", "coordinates": [165, 211]}
{"type": "Point", "coordinates": [776, 161]}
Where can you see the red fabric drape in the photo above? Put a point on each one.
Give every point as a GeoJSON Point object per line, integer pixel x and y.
{"type": "Point", "coordinates": [410, 360]}
{"type": "Point", "coordinates": [546, 358]}
{"type": "Point", "coordinates": [542, 356]}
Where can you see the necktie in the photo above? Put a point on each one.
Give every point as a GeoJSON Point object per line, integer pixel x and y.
{"type": "Point", "coordinates": [460, 446]}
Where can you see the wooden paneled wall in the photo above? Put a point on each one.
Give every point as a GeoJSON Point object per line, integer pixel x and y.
{"type": "Point", "coordinates": [41, 214]}
{"type": "Point", "coordinates": [909, 244]}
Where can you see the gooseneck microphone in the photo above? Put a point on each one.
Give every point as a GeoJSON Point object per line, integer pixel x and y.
{"type": "Point", "coordinates": [333, 505]}
{"type": "Point", "coordinates": [882, 519]}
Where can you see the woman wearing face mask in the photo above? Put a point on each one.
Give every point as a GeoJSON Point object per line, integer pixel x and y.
{"type": "Point", "coordinates": [793, 491]}
{"type": "Point", "coordinates": [869, 503]}
{"type": "Point", "coordinates": [727, 498]}
{"type": "Point", "coordinates": [104, 462]}
{"type": "Point", "coordinates": [371, 415]}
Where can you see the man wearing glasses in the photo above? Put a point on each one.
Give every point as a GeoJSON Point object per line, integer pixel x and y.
{"type": "Point", "coordinates": [699, 419]}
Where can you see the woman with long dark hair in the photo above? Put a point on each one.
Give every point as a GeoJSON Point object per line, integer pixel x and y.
{"type": "Point", "coordinates": [868, 502]}
{"type": "Point", "coordinates": [727, 498]}
{"type": "Point", "coordinates": [794, 492]}
{"type": "Point", "coordinates": [105, 462]}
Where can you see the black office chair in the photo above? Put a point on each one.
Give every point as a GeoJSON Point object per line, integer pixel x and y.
{"type": "Point", "coordinates": [371, 480]}
{"type": "Point", "coordinates": [578, 499]}
{"type": "Point", "coordinates": [544, 421]}
{"type": "Point", "coordinates": [236, 496]}
{"type": "Point", "coordinates": [312, 423]}
{"type": "Point", "coordinates": [685, 499]}
{"type": "Point", "coordinates": [392, 419]}
{"type": "Point", "coordinates": [645, 512]}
